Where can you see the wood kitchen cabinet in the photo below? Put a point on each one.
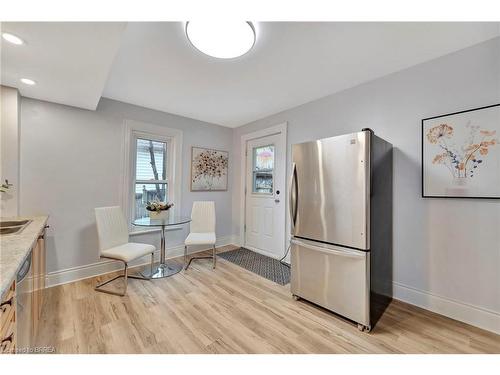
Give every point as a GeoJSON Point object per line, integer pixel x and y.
{"type": "Point", "coordinates": [39, 277]}
{"type": "Point", "coordinates": [21, 306]}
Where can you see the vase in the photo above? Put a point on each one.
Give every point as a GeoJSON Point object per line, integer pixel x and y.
{"type": "Point", "coordinates": [159, 215]}
{"type": "Point", "coordinates": [458, 187]}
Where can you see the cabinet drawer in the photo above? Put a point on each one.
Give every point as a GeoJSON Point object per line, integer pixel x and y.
{"type": "Point", "coordinates": [7, 339]}
{"type": "Point", "coordinates": [7, 307]}
{"type": "Point", "coordinates": [9, 321]}
{"type": "Point", "coordinates": [7, 347]}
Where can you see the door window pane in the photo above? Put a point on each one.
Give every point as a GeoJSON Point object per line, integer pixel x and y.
{"type": "Point", "coordinates": [145, 193]}
{"type": "Point", "coordinates": [151, 163]}
{"type": "Point", "coordinates": [263, 167]}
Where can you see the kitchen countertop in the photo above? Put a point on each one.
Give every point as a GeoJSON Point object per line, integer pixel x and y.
{"type": "Point", "coordinates": [14, 249]}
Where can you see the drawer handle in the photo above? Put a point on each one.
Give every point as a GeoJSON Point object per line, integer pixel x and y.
{"type": "Point", "coordinates": [4, 305]}
{"type": "Point", "coordinates": [8, 338]}
{"type": "Point", "coordinates": [5, 344]}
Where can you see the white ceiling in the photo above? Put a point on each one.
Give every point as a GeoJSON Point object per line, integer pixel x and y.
{"type": "Point", "coordinates": [69, 61]}
{"type": "Point", "coordinates": [155, 66]}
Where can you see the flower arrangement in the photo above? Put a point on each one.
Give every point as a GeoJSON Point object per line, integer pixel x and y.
{"type": "Point", "coordinates": [462, 162]}
{"type": "Point", "coordinates": [157, 206]}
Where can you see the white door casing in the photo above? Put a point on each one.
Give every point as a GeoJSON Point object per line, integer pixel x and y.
{"type": "Point", "coordinates": [264, 216]}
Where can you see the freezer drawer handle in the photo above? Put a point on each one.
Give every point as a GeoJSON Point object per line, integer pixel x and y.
{"type": "Point", "coordinates": [344, 253]}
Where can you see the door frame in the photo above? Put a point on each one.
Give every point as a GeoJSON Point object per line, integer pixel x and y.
{"type": "Point", "coordinates": [280, 129]}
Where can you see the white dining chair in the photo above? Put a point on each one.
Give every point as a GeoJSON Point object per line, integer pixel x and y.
{"type": "Point", "coordinates": [202, 230]}
{"type": "Point", "coordinates": [112, 231]}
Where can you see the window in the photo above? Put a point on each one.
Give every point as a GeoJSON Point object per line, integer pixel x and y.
{"type": "Point", "coordinates": [152, 169]}
{"type": "Point", "coordinates": [151, 174]}
{"type": "Point", "coordinates": [263, 169]}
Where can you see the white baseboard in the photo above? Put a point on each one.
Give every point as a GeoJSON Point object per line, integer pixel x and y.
{"type": "Point", "coordinates": [237, 240]}
{"type": "Point", "coordinates": [73, 274]}
{"type": "Point", "coordinates": [263, 252]}
{"type": "Point", "coordinates": [473, 315]}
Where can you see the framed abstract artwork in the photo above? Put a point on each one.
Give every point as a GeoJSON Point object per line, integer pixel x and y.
{"type": "Point", "coordinates": [461, 154]}
{"type": "Point", "coordinates": [208, 169]}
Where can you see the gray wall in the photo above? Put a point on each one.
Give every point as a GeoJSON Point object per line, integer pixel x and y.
{"type": "Point", "coordinates": [443, 248]}
{"type": "Point", "coordinates": [71, 162]}
{"type": "Point", "coordinates": [9, 149]}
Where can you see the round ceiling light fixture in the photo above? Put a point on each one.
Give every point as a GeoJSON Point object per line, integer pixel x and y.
{"type": "Point", "coordinates": [28, 81]}
{"type": "Point", "coordinates": [223, 40]}
{"type": "Point", "coordinates": [11, 38]}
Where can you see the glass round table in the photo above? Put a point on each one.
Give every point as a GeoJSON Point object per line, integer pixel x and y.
{"type": "Point", "coordinates": [163, 269]}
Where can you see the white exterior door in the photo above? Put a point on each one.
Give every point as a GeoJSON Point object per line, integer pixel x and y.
{"type": "Point", "coordinates": [265, 195]}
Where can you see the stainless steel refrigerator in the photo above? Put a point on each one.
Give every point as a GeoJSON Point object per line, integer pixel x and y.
{"type": "Point", "coordinates": [341, 223]}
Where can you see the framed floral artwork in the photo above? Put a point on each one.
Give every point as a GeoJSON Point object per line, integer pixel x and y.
{"type": "Point", "coordinates": [208, 169]}
{"type": "Point", "coordinates": [461, 154]}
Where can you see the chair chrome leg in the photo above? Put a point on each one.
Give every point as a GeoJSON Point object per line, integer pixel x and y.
{"type": "Point", "coordinates": [213, 257]}
{"type": "Point", "coordinates": [125, 275]}
{"type": "Point", "coordinates": [98, 287]}
{"type": "Point", "coordinates": [152, 264]}
{"type": "Point", "coordinates": [185, 255]}
{"type": "Point", "coordinates": [189, 263]}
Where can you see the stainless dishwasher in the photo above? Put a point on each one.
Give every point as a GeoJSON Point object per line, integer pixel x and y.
{"type": "Point", "coordinates": [24, 290]}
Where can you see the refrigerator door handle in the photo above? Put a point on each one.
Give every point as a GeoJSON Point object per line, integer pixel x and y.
{"type": "Point", "coordinates": [292, 196]}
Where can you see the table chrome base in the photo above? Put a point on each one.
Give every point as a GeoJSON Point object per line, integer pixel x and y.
{"type": "Point", "coordinates": [163, 270]}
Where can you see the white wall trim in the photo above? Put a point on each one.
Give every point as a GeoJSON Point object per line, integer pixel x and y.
{"type": "Point", "coordinates": [263, 252]}
{"type": "Point", "coordinates": [73, 274]}
{"type": "Point", "coordinates": [272, 130]}
{"type": "Point", "coordinates": [473, 315]}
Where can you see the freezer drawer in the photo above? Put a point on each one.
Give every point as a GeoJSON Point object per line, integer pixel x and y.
{"type": "Point", "coordinates": [333, 277]}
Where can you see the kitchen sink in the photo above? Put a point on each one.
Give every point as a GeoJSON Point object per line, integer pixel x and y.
{"type": "Point", "coordinates": [13, 223]}
{"type": "Point", "coordinates": [11, 230]}
{"type": "Point", "coordinates": [13, 226]}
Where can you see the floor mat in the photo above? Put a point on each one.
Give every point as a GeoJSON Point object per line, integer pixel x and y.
{"type": "Point", "coordinates": [260, 264]}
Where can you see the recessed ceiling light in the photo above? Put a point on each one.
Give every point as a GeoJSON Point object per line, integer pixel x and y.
{"type": "Point", "coordinates": [28, 81]}
{"type": "Point", "coordinates": [11, 38]}
{"type": "Point", "coordinates": [224, 40]}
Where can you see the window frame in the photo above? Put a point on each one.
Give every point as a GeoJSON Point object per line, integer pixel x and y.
{"type": "Point", "coordinates": [169, 156]}
{"type": "Point", "coordinates": [134, 130]}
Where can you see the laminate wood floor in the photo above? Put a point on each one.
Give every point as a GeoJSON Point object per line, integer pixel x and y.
{"type": "Point", "coordinates": [231, 310]}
